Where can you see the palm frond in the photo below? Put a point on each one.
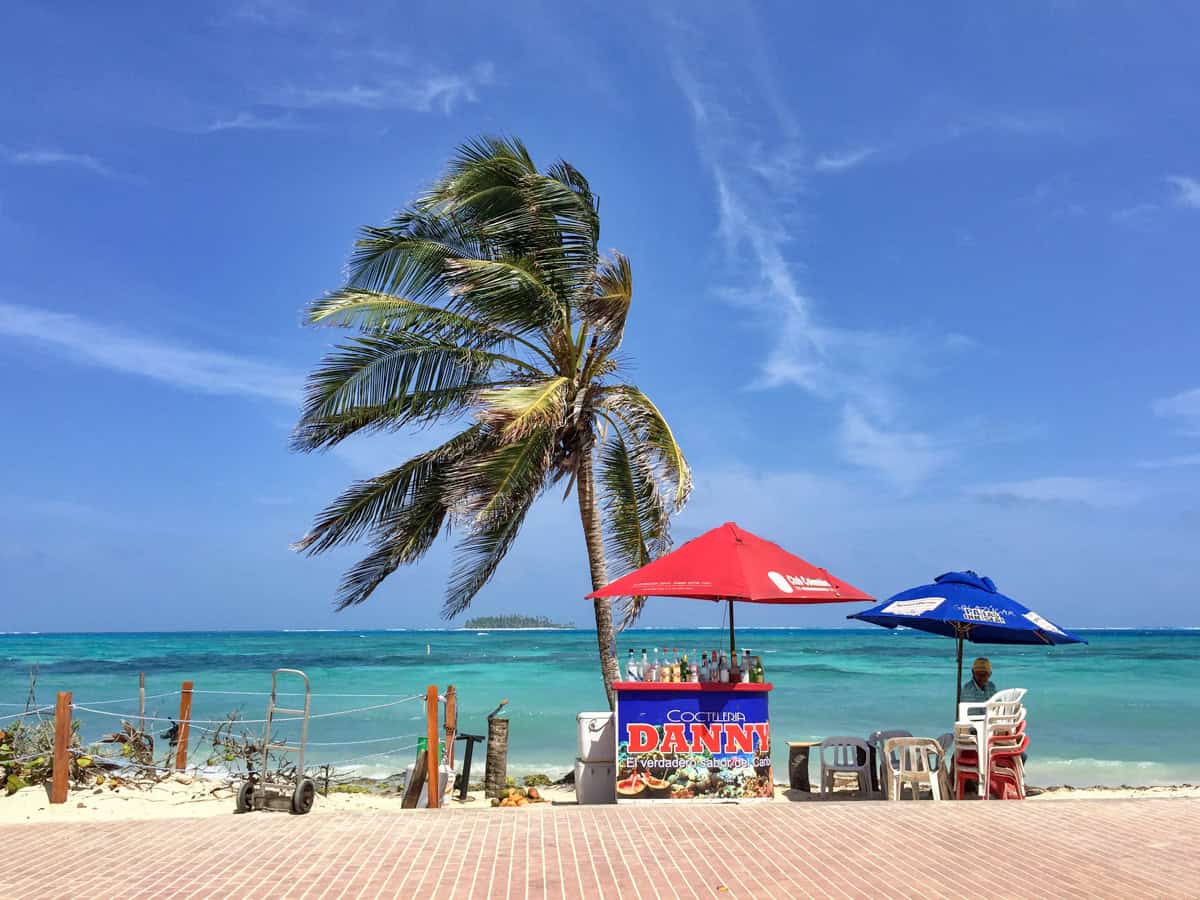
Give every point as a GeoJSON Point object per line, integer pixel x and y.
{"type": "Point", "coordinates": [608, 307]}
{"type": "Point", "coordinates": [408, 256]}
{"type": "Point", "coordinates": [519, 409]}
{"type": "Point", "coordinates": [409, 377]}
{"type": "Point", "coordinates": [498, 489]}
{"type": "Point", "coordinates": [636, 520]}
{"type": "Point", "coordinates": [507, 293]}
{"type": "Point", "coordinates": [373, 504]}
{"type": "Point", "coordinates": [381, 312]}
{"type": "Point", "coordinates": [647, 426]}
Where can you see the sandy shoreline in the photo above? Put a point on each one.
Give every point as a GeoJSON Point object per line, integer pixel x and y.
{"type": "Point", "coordinates": [192, 797]}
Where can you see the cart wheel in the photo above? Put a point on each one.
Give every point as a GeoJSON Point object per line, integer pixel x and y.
{"type": "Point", "coordinates": [245, 797]}
{"type": "Point", "coordinates": [303, 796]}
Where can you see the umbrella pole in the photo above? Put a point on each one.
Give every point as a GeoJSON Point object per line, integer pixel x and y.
{"type": "Point", "coordinates": [958, 681]}
{"type": "Point", "coordinates": [732, 645]}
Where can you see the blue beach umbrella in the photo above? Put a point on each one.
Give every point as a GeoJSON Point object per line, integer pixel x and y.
{"type": "Point", "coordinates": [967, 607]}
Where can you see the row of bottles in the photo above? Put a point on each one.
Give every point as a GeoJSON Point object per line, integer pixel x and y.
{"type": "Point", "coordinates": [674, 667]}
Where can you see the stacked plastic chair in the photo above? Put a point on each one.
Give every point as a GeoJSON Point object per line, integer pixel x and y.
{"type": "Point", "coordinates": [1000, 739]}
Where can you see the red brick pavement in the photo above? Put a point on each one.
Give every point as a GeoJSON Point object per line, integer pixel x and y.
{"type": "Point", "coordinates": [1035, 849]}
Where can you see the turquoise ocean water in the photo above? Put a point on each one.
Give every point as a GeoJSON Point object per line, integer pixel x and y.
{"type": "Point", "coordinates": [1123, 710]}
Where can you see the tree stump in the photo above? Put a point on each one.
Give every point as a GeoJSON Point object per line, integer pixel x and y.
{"type": "Point", "coordinates": [495, 773]}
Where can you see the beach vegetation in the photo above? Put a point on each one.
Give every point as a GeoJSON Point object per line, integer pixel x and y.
{"type": "Point", "coordinates": [487, 308]}
{"type": "Point", "coordinates": [349, 789]}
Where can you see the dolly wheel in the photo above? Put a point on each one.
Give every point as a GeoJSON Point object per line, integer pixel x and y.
{"type": "Point", "coordinates": [303, 796]}
{"type": "Point", "coordinates": [245, 797]}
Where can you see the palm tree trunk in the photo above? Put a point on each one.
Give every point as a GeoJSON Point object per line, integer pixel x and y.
{"type": "Point", "coordinates": [589, 513]}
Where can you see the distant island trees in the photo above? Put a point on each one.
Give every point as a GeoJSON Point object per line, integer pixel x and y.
{"type": "Point", "coordinates": [514, 621]}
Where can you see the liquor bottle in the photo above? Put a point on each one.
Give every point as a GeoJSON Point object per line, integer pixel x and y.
{"type": "Point", "coordinates": [655, 671]}
{"type": "Point", "coordinates": [695, 665]}
{"type": "Point", "coordinates": [703, 673]}
{"type": "Point", "coordinates": [685, 670]}
{"type": "Point", "coordinates": [759, 675]}
{"type": "Point", "coordinates": [644, 668]}
{"type": "Point", "coordinates": [631, 668]}
{"type": "Point", "coordinates": [735, 674]}
{"type": "Point", "coordinates": [723, 670]}
{"type": "Point", "coordinates": [747, 665]}
{"type": "Point", "coordinates": [676, 666]}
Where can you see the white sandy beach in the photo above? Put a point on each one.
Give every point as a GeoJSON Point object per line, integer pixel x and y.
{"type": "Point", "coordinates": [188, 797]}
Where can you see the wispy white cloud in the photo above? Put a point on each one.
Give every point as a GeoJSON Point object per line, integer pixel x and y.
{"type": "Point", "coordinates": [945, 127]}
{"type": "Point", "coordinates": [1185, 193]}
{"type": "Point", "coordinates": [1183, 407]}
{"type": "Point", "coordinates": [436, 91]}
{"type": "Point", "coordinates": [166, 361]}
{"type": "Point", "coordinates": [1136, 214]}
{"type": "Point", "coordinates": [844, 161]}
{"type": "Point", "coordinates": [55, 157]}
{"type": "Point", "coordinates": [273, 13]}
{"type": "Point", "coordinates": [858, 369]}
{"type": "Point", "coordinates": [1170, 462]}
{"type": "Point", "coordinates": [251, 121]}
{"type": "Point", "coordinates": [1028, 123]}
{"type": "Point", "coordinates": [1100, 493]}
{"type": "Point", "coordinates": [905, 457]}
{"type": "Point", "coordinates": [1187, 190]}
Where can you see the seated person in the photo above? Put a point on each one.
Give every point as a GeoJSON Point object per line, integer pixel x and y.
{"type": "Point", "coordinates": [979, 687]}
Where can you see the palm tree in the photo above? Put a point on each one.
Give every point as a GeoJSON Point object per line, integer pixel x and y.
{"type": "Point", "coordinates": [487, 304]}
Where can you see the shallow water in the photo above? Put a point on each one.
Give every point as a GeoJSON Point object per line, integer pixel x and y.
{"type": "Point", "coordinates": [1123, 710]}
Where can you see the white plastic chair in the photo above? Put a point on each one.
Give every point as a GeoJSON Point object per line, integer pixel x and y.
{"type": "Point", "coordinates": [1001, 715]}
{"type": "Point", "coordinates": [843, 756]}
{"type": "Point", "coordinates": [913, 761]}
{"type": "Point", "coordinates": [877, 740]}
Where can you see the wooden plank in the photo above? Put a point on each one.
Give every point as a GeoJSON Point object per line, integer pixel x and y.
{"type": "Point", "coordinates": [185, 715]}
{"type": "Point", "coordinates": [412, 790]}
{"type": "Point", "coordinates": [61, 773]}
{"type": "Point", "coordinates": [450, 724]}
{"type": "Point", "coordinates": [432, 769]}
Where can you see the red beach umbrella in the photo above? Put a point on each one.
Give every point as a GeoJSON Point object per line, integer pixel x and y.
{"type": "Point", "coordinates": [729, 563]}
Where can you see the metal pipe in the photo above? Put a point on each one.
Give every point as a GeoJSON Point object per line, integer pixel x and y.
{"type": "Point", "coordinates": [732, 645]}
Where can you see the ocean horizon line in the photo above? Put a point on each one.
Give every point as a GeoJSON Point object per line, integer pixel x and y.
{"type": "Point", "coordinates": [301, 629]}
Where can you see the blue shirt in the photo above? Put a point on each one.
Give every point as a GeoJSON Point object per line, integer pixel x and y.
{"type": "Point", "coordinates": [972, 692]}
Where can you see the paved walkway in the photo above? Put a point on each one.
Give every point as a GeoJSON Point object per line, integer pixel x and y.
{"type": "Point", "coordinates": [1053, 849]}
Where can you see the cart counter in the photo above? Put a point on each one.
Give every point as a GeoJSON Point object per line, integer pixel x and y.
{"type": "Point", "coordinates": [692, 741]}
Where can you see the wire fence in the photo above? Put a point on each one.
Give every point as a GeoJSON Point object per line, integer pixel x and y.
{"type": "Point", "coordinates": [104, 708]}
{"type": "Point", "coordinates": [29, 712]}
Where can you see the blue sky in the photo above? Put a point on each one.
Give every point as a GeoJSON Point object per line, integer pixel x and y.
{"type": "Point", "coordinates": [916, 285]}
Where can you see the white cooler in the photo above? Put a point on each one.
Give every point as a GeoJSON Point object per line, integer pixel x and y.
{"type": "Point", "coordinates": [597, 737]}
{"type": "Point", "coordinates": [595, 782]}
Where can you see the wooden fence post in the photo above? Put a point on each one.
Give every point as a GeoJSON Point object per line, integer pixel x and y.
{"type": "Point", "coordinates": [62, 748]}
{"type": "Point", "coordinates": [185, 715]}
{"type": "Point", "coordinates": [450, 725]}
{"type": "Point", "coordinates": [141, 702]}
{"type": "Point", "coordinates": [434, 774]}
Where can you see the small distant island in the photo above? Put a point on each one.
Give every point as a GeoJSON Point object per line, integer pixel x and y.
{"type": "Point", "coordinates": [514, 621]}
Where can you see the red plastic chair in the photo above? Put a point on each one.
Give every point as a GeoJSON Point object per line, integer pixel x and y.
{"type": "Point", "coordinates": [1004, 765]}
